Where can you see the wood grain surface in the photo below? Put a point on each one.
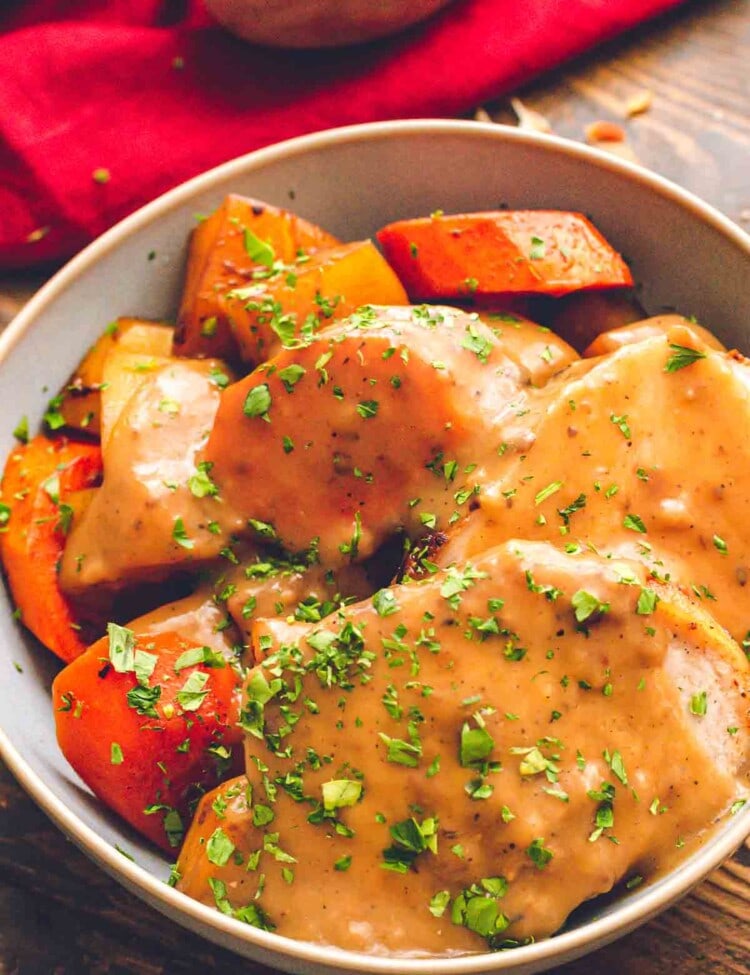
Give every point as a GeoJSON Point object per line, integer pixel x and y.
{"type": "Point", "coordinates": [60, 915]}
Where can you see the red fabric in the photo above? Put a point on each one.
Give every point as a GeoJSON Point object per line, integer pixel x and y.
{"type": "Point", "coordinates": [153, 92]}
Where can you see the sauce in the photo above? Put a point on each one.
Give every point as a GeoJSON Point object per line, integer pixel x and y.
{"type": "Point", "coordinates": [458, 762]}
{"type": "Point", "coordinates": [149, 517]}
{"type": "Point", "coordinates": [366, 429]}
{"type": "Point", "coordinates": [534, 758]}
{"type": "Point", "coordinates": [632, 460]}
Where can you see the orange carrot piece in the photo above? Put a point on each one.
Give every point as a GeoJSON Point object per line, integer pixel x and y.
{"type": "Point", "coordinates": [148, 749]}
{"type": "Point", "coordinates": [38, 478]}
{"type": "Point", "coordinates": [223, 254]}
{"type": "Point", "coordinates": [498, 253]}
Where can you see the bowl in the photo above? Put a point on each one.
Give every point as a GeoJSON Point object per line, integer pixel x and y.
{"type": "Point", "coordinates": [351, 180]}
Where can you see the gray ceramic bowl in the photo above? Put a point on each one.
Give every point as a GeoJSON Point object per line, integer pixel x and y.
{"type": "Point", "coordinates": [352, 180]}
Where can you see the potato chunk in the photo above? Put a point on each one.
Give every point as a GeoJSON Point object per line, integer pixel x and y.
{"type": "Point", "coordinates": [80, 403]}
{"type": "Point", "coordinates": [156, 511]}
{"type": "Point", "coordinates": [647, 328]}
{"type": "Point", "coordinates": [289, 305]}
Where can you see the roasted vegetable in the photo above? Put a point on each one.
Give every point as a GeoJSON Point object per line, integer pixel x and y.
{"type": "Point", "coordinates": [243, 236]}
{"type": "Point", "coordinates": [39, 479]}
{"type": "Point", "coordinates": [580, 317]}
{"type": "Point", "coordinates": [78, 405]}
{"type": "Point", "coordinates": [647, 328]}
{"type": "Point", "coordinates": [290, 305]}
{"type": "Point", "coordinates": [149, 723]}
{"type": "Point", "coordinates": [504, 252]}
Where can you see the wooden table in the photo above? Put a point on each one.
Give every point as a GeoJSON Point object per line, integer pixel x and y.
{"type": "Point", "coordinates": [59, 915]}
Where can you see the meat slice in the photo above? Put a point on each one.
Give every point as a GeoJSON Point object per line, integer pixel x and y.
{"type": "Point", "coordinates": [376, 424]}
{"type": "Point", "coordinates": [639, 454]}
{"type": "Point", "coordinates": [461, 761]}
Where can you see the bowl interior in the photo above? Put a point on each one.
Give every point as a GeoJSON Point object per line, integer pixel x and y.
{"type": "Point", "coordinates": [352, 181]}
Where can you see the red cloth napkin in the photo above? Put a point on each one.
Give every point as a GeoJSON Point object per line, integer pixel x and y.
{"type": "Point", "coordinates": [104, 104]}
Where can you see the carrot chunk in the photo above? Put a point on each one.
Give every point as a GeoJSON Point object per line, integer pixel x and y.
{"type": "Point", "coordinates": [149, 723]}
{"type": "Point", "coordinates": [498, 253]}
{"type": "Point", "coordinates": [39, 479]}
{"type": "Point", "coordinates": [243, 236]}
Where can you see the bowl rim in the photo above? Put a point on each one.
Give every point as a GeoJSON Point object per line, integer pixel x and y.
{"type": "Point", "coordinates": [228, 931]}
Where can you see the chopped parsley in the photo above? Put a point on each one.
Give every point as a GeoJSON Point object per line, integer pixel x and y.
{"type": "Point", "coordinates": [682, 356]}
{"type": "Point", "coordinates": [547, 492]}
{"type": "Point", "coordinates": [368, 408]}
{"type": "Point", "coordinates": [479, 344]}
{"type": "Point", "coordinates": [198, 655]}
{"type": "Point", "coordinates": [539, 854]}
{"type": "Point", "coordinates": [53, 418]}
{"type": "Point", "coordinates": [121, 648]}
{"type": "Point", "coordinates": [257, 401]}
{"type": "Point", "coordinates": [439, 902]}
{"type": "Point", "coordinates": [567, 512]}
{"type": "Point", "coordinates": [621, 422]}
{"type": "Point", "coordinates": [219, 847]}
{"type": "Point", "coordinates": [587, 606]}
{"type": "Point", "coordinates": [200, 483]}
{"type": "Point", "coordinates": [538, 249]}
{"type": "Point", "coordinates": [180, 535]}
{"type": "Point", "coordinates": [410, 838]}
{"type": "Point", "coordinates": [617, 765]}
{"type": "Point", "coordinates": [401, 752]}
{"type": "Point", "coordinates": [338, 793]}
{"type": "Point", "coordinates": [21, 432]}
{"type": "Point", "coordinates": [291, 375]}
{"type": "Point", "coordinates": [634, 523]}
{"type": "Point", "coordinates": [476, 908]}
{"type": "Point", "coordinates": [647, 602]}
{"type": "Point", "coordinates": [259, 251]}
{"type": "Point", "coordinates": [475, 746]}
{"type": "Point", "coordinates": [193, 691]}
{"type": "Point", "coordinates": [699, 704]}
{"type": "Point", "coordinates": [385, 603]}
{"type": "Point", "coordinates": [143, 700]}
